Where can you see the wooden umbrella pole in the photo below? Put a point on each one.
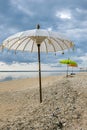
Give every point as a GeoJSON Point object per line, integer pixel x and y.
{"type": "Point", "coordinates": [40, 89]}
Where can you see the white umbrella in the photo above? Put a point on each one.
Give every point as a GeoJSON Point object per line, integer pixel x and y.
{"type": "Point", "coordinates": [37, 40]}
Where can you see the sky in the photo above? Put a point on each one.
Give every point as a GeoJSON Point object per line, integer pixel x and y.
{"type": "Point", "coordinates": [68, 17]}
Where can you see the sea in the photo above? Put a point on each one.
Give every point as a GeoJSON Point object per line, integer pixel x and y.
{"type": "Point", "coordinates": [14, 75]}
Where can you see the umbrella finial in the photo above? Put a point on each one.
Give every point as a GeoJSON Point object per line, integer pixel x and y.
{"type": "Point", "coordinates": [38, 26]}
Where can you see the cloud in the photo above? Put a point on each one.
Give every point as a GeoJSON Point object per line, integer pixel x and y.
{"type": "Point", "coordinates": [78, 34]}
{"type": "Point", "coordinates": [81, 11]}
{"type": "Point", "coordinates": [16, 66]}
{"type": "Point", "coordinates": [49, 29]}
{"type": "Point", "coordinates": [63, 14]}
{"type": "Point", "coordinates": [83, 59]}
{"type": "Point", "coordinates": [4, 33]}
{"type": "Point", "coordinates": [22, 7]}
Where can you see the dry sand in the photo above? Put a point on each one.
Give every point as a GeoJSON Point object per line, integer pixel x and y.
{"type": "Point", "coordinates": [64, 105]}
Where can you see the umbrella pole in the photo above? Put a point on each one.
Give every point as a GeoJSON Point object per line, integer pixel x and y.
{"type": "Point", "coordinates": [40, 89]}
{"type": "Point", "coordinates": [67, 71]}
{"type": "Point", "coordinates": [72, 70]}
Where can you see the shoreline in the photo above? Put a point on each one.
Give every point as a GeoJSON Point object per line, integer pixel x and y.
{"type": "Point", "coordinates": [33, 81]}
{"type": "Point", "coordinates": [13, 75]}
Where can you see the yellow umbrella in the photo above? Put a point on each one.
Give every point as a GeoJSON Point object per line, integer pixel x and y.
{"type": "Point", "coordinates": [68, 62]}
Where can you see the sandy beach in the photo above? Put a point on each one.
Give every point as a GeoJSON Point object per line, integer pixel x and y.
{"type": "Point", "coordinates": [64, 105]}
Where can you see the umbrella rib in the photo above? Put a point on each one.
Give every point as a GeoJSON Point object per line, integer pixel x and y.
{"type": "Point", "coordinates": [32, 46]}
{"type": "Point", "coordinates": [26, 44]}
{"type": "Point", "coordinates": [14, 39]}
{"type": "Point", "coordinates": [51, 44]}
{"type": "Point", "coordinates": [7, 43]}
{"type": "Point", "coordinates": [21, 42]}
{"type": "Point", "coordinates": [63, 42]}
{"type": "Point", "coordinates": [58, 43]}
{"type": "Point", "coordinates": [13, 44]}
{"type": "Point", "coordinates": [66, 43]}
{"type": "Point", "coordinates": [46, 46]}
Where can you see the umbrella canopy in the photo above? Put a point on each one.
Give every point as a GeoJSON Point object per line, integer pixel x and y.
{"type": "Point", "coordinates": [28, 40]}
{"type": "Point", "coordinates": [37, 40]}
{"type": "Point", "coordinates": [69, 63]}
{"type": "Point", "coordinates": [73, 65]}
